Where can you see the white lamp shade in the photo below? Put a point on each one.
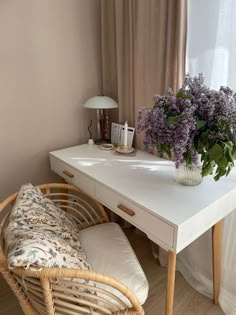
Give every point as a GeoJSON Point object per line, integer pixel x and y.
{"type": "Point", "coordinates": [99, 102]}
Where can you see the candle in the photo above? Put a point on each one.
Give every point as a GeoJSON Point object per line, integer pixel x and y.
{"type": "Point", "coordinates": [125, 134]}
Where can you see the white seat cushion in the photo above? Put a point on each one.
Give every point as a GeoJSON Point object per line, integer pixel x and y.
{"type": "Point", "coordinates": [109, 251]}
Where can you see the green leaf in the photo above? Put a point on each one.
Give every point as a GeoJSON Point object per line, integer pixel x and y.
{"type": "Point", "coordinates": [219, 172]}
{"type": "Point", "coordinates": [229, 144]}
{"type": "Point", "coordinates": [204, 157]}
{"type": "Point", "coordinates": [208, 169]}
{"type": "Point", "coordinates": [234, 152]}
{"type": "Point", "coordinates": [174, 119]}
{"type": "Point", "coordinates": [217, 176]}
{"type": "Point", "coordinates": [215, 152]}
{"type": "Point", "coordinates": [181, 94]}
{"type": "Point", "coordinates": [200, 124]}
{"type": "Point", "coordinates": [199, 146]}
{"type": "Point", "coordinates": [188, 158]}
{"type": "Point", "coordinates": [229, 169]}
{"type": "Point", "coordinates": [222, 163]}
{"type": "Point", "coordinates": [164, 148]}
{"type": "Point", "coordinates": [228, 155]}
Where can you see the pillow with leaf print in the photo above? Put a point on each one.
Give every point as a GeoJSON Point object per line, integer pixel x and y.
{"type": "Point", "coordinates": [39, 234]}
{"type": "Point", "coordinates": [37, 249]}
{"type": "Point", "coordinates": [33, 210]}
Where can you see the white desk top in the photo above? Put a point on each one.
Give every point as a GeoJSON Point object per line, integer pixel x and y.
{"type": "Point", "coordinates": [149, 181]}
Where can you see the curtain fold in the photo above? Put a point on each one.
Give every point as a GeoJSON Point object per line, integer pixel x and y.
{"type": "Point", "coordinates": [143, 51]}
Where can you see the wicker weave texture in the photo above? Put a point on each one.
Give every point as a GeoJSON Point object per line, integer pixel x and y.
{"type": "Point", "coordinates": [59, 291]}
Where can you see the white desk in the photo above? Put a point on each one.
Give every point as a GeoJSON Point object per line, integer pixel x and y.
{"type": "Point", "coordinates": [141, 189]}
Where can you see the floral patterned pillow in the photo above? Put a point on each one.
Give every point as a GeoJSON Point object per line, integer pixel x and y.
{"type": "Point", "coordinates": [36, 249]}
{"type": "Point", "coordinates": [34, 210]}
{"type": "Point", "coordinates": [39, 234]}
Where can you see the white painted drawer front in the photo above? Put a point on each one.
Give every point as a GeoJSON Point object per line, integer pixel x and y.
{"type": "Point", "coordinates": [72, 176]}
{"type": "Point", "coordinates": [135, 215]}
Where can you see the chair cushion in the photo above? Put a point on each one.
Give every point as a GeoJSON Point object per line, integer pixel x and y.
{"type": "Point", "coordinates": [109, 251]}
{"type": "Point", "coordinates": [32, 209]}
{"type": "Point", "coordinates": [39, 234]}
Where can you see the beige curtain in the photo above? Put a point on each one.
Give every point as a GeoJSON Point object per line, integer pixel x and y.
{"type": "Point", "coordinates": [143, 51]}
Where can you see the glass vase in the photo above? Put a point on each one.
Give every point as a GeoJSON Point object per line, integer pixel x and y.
{"type": "Point", "coordinates": [188, 175]}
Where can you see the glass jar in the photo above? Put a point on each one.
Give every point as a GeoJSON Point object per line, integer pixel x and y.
{"type": "Point", "coordinates": [188, 175]}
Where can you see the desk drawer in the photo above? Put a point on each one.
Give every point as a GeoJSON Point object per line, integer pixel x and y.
{"type": "Point", "coordinates": [72, 176]}
{"type": "Point", "coordinates": [137, 216]}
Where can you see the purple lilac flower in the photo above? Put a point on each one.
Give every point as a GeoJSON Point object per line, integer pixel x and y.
{"type": "Point", "coordinates": [173, 120]}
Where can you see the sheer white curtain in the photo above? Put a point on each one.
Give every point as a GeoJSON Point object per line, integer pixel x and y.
{"type": "Point", "coordinates": [211, 49]}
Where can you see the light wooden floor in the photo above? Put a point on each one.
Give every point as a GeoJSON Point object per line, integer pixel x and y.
{"type": "Point", "coordinates": [187, 300]}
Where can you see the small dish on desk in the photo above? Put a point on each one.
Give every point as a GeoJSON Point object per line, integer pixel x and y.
{"type": "Point", "coordinates": [124, 149]}
{"type": "Point", "coordinates": [106, 146]}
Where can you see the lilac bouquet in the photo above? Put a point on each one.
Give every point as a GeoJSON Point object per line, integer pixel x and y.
{"type": "Point", "coordinates": [195, 121]}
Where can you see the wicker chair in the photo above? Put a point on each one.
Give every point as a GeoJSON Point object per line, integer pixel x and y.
{"type": "Point", "coordinates": [37, 291]}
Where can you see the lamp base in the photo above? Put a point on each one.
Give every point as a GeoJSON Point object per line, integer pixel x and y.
{"type": "Point", "coordinates": [101, 141]}
{"type": "Point", "coordinates": [90, 142]}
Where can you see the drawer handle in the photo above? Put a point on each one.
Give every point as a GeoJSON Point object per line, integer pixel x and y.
{"type": "Point", "coordinates": [126, 210]}
{"type": "Point", "coordinates": [67, 173]}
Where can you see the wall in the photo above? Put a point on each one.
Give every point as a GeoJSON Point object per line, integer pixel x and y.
{"type": "Point", "coordinates": [50, 63]}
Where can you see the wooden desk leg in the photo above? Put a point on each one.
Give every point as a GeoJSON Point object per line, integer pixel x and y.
{"type": "Point", "coordinates": [217, 230]}
{"type": "Point", "coordinates": [170, 283]}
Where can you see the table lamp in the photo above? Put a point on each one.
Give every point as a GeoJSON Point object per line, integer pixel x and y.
{"type": "Point", "coordinates": [101, 103]}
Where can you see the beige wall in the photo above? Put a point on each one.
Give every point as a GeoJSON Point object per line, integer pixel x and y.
{"type": "Point", "coordinates": [50, 63]}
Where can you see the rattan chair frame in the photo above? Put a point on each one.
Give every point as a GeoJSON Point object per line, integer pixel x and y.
{"type": "Point", "coordinates": [36, 291]}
